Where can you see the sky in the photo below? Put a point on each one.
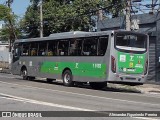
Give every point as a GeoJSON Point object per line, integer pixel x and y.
{"type": "Point", "coordinates": [18, 6]}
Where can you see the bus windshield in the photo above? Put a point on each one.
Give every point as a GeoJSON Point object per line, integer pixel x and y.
{"type": "Point", "coordinates": [131, 42]}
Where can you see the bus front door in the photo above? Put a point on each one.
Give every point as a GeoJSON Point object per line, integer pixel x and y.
{"type": "Point", "coordinates": [15, 61]}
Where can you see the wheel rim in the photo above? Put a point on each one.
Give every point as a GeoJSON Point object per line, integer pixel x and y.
{"type": "Point", "coordinates": [67, 78]}
{"type": "Point", "coordinates": [24, 73]}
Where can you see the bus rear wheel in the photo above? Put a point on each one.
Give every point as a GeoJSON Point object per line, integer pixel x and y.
{"type": "Point", "coordinates": [67, 78]}
{"type": "Point", "coordinates": [98, 85]}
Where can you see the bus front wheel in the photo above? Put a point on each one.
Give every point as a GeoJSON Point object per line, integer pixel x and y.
{"type": "Point", "coordinates": [98, 85]}
{"type": "Point", "coordinates": [24, 74]}
{"type": "Point", "coordinates": [67, 78]}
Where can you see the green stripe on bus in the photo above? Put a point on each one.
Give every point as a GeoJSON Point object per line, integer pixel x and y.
{"type": "Point", "coordinates": [96, 70]}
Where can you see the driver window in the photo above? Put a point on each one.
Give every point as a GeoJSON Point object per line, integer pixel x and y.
{"type": "Point", "coordinates": [16, 51]}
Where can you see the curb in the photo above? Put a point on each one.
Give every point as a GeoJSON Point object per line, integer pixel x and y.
{"type": "Point", "coordinates": [136, 89]}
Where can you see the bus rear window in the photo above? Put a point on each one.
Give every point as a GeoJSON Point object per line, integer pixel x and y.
{"type": "Point", "coordinates": [131, 42]}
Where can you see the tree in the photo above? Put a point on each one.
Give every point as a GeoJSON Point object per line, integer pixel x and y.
{"type": "Point", "coordinates": [4, 13]}
{"type": "Point", "coordinates": [117, 7]}
{"type": "Point", "coordinates": [9, 2]}
{"type": "Point", "coordinates": [66, 15]}
{"type": "Point", "coordinates": [10, 30]}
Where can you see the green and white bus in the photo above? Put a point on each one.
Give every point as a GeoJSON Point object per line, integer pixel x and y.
{"type": "Point", "coordinates": [90, 57]}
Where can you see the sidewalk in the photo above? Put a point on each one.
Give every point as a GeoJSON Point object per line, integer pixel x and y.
{"type": "Point", "coordinates": [145, 88]}
{"type": "Point", "coordinates": [149, 88]}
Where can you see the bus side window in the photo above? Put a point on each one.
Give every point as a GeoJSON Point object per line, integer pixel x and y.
{"type": "Point", "coordinates": [42, 48]}
{"type": "Point", "coordinates": [90, 46]}
{"type": "Point", "coordinates": [33, 52]}
{"type": "Point", "coordinates": [63, 48]}
{"type": "Point", "coordinates": [33, 48]}
{"type": "Point", "coordinates": [52, 48]}
{"type": "Point", "coordinates": [25, 49]}
{"type": "Point", "coordinates": [103, 44]}
{"type": "Point", "coordinates": [75, 47]}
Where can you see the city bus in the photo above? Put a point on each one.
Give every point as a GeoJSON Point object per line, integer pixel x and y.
{"type": "Point", "coordinates": [84, 57]}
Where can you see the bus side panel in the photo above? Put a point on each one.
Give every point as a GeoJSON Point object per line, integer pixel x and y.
{"type": "Point", "coordinates": [81, 67]}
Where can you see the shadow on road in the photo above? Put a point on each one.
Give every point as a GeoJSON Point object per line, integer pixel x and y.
{"type": "Point", "coordinates": [126, 89]}
{"type": "Point", "coordinates": [112, 89]}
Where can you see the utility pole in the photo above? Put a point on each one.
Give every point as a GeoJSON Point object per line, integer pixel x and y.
{"type": "Point", "coordinates": [152, 7]}
{"type": "Point", "coordinates": [41, 19]}
{"type": "Point", "coordinates": [100, 14]}
{"type": "Point", "coordinates": [128, 15]}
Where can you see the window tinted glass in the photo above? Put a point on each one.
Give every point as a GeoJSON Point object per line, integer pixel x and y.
{"type": "Point", "coordinates": [90, 46]}
{"type": "Point", "coordinates": [103, 44]}
{"type": "Point", "coordinates": [131, 42]}
{"type": "Point", "coordinates": [63, 47]}
{"type": "Point", "coordinates": [25, 49]}
{"type": "Point", "coordinates": [33, 49]}
{"type": "Point", "coordinates": [42, 48]}
{"type": "Point", "coordinates": [75, 48]}
{"type": "Point", "coordinates": [52, 48]}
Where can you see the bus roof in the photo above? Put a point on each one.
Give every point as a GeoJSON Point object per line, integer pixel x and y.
{"type": "Point", "coordinates": [67, 35]}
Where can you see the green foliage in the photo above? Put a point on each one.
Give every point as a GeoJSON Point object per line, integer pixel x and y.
{"type": "Point", "coordinates": [30, 23]}
{"type": "Point", "coordinates": [4, 13]}
{"type": "Point", "coordinates": [65, 15]}
{"type": "Point", "coordinates": [10, 31]}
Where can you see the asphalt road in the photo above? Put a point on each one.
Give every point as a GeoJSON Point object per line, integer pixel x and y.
{"type": "Point", "coordinates": [38, 95]}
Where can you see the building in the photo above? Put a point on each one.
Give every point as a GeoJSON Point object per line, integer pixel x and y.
{"type": "Point", "coordinates": [149, 24]}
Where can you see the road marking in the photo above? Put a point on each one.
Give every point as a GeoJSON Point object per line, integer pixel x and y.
{"type": "Point", "coordinates": [145, 94]}
{"type": "Point", "coordinates": [31, 87]}
{"type": "Point", "coordinates": [11, 97]}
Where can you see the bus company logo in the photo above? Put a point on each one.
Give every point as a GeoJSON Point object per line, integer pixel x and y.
{"type": "Point", "coordinates": [131, 58]}
{"type": "Point", "coordinates": [6, 114]}
{"type": "Point", "coordinates": [122, 58]}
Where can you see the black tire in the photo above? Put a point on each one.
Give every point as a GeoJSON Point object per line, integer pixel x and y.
{"type": "Point", "coordinates": [24, 74]}
{"type": "Point", "coordinates": [98, 85]}
{"type": "Point", "coordinates": [67, 78]}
